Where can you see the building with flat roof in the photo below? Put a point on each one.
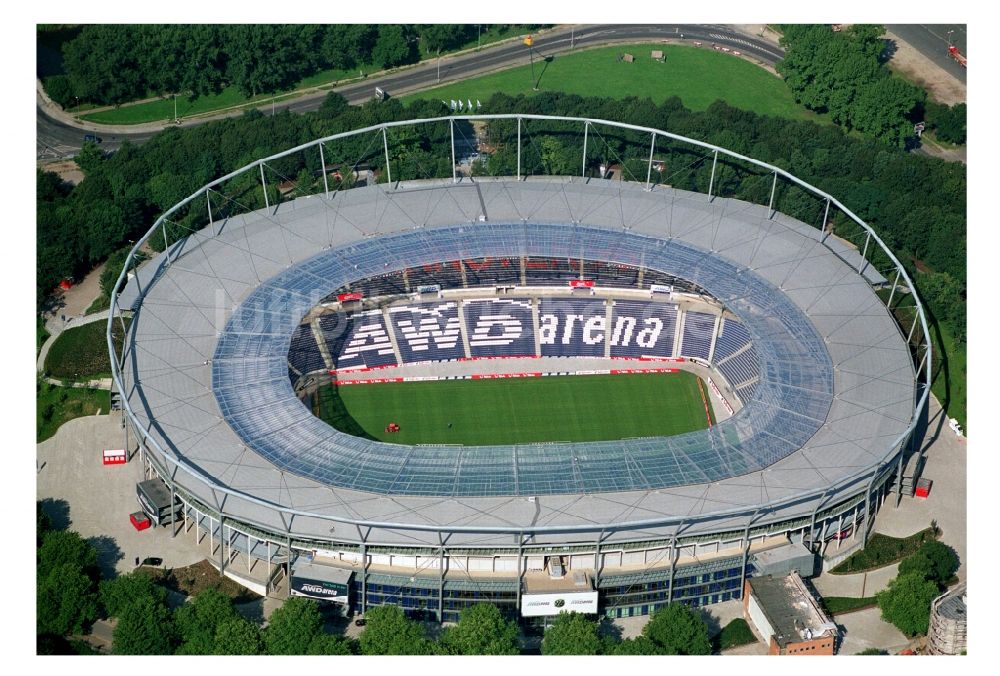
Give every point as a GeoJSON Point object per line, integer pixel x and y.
{"type": "Point", "coordinates": [787, 617]}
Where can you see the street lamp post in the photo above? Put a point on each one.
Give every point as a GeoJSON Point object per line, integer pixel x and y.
{"type": "Point", "coordinates": [529, 41]}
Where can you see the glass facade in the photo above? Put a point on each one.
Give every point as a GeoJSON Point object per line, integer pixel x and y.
{"type": "Point", "coordinates": [640, 593]}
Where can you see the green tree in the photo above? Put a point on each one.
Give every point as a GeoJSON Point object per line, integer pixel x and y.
{"type": "Point", "coordinates": [906, 603]}
{"type": "Point", "coordinates": [571, 634]}
{"type": "Point", "coordinates": [942, 557]}
{"type": "Point", "coordinates": [126, 589]}
{"type": "Point", "coordinates": [199, 619]}
{"type": "Point", "coordinates": [334, 104]}
{"type": "Point", "coordinates": [43, 523]}
{"type": "Point", "coordinates": [66, 546]}
{"type": "Point", "coordinates": [66, 600]}
{"type": "Point", "coordinates": [393, 47]}
{"type": "Point", "coordinates": [437, 37]}
{"type": "Point", "coordinates": [144, 627]}
{"type": "Point", "coordinates": [328, 644]}
{"type": "Point", "coordinates": [873, 651]}
{"type": "Point", "coordinates": [640, 645]}
{"type": "Point", "coordinates": [237, 636]}
{"type": "Point", "coordinates": [482, 630]}
{"type": "Point", "coordinates": [918, 564]}
{"type": "Point", "coordinates": [948, 123]}
{"type": "Point", "coordinates": [678, 630]}
{"type": "Point", "coordinates": [293, 626]}
{"type": "Point", "coordinates": [389, 632]}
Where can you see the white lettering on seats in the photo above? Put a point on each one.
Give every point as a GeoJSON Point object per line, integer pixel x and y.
{"type": "Point", "coordinates": [509, 328]}
{"type": "Point", "coordinates": [647, 337]}
{"type": "Point", "coordinates": [593, 330]}
{"type": "Point", "coordinates": [367, 338]}
{"type": "Point", "coordinates": [428, 327]}
{"type": "Point", "coordinates": [622, 333]}
{"type": "Point", "coordinates": [567, 336]}
{"type": "Point", "coordinates": [547, 326]}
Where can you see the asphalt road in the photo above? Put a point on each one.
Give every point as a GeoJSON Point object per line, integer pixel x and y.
{"type": "Point", "coordinates": [931, 40]}
{"type": "Point", "coordinates": [56, 139]}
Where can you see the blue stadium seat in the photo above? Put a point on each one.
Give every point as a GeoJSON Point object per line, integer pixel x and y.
{"type": "Point", "coordinates": [571, 327]}
{"type": "Point", "coordinates": [427, 331]}
{"type": "Point", "coordinates": [697, 340]}
{"type": "Point", "coordinates": [492, 271]}
{"type": "Point", "coordinates": [500, 327]}
{"type": "Point", "coordinates": [732, 338]}
{"type": "Point", "coordinates": [643, 329]}
{"type": "Point", "coordinates": [358, 340]}
{"type": "Point", "coordinates": [303, 354]}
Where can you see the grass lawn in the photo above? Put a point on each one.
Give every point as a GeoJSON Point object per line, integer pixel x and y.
{"type": "Point", "coordinates": [81, 353]}
{"type": "Point", "coordinates": [949, 385]}
{"type": "Point", "coordinates": [57, 405]}
{"type": "Point", "coordinates": [699, 76]}
{"type": "Point", "coordinates": [837, 605]}
{"type": "Point", "coordinates": [518, 410]}
{"type": "Point", "coordinates": [734, 634]}
{"type": "Point", "coordinates": [100, 304]}
{"type": "Point", "coordinates": [882, 550]}
{"type": "Point", "coordinates": [41, 334]}
{"type": "Point", "coordinates": [163, 109]}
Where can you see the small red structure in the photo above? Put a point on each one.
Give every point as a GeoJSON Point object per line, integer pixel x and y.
{"type": "Point", "coordinates": [139, 520]}
{"type": "Point", "coordinates": [391, 428]}
{"type": "Point", "coordinates": [958, 56]}
{"type": "Point", "coordinates": [923, 488]}
{"type": "Point", "coordinates": [115, 456]}
{"type": "Point", "coordinates": [66, 284]}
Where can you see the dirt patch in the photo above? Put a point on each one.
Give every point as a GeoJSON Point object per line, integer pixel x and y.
{"type": "Point", "coordinates": [75, 301]}
{"type": "Point", "coordinates": [914, 66]}
{"type": "Point", "coordinates": [67, 170]}
{"type": "Point", "coordinates": [196, 578]}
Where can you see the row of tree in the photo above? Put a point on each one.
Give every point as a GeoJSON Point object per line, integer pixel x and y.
{"type": "Point", "coordinates": [117, 63]}
{"type": "Point", "coordinates": [71, 596]}
{"type": "Point", "coordinates": [916, 203]}
{"type": "Point", "coordinates": [844, 74]}
{"type": "Point", "coordinates": [906, 602]}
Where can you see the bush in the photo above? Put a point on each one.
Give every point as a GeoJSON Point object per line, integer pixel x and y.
{"type": "Point", "coordinates": [736, 633]}
{"type": "Point", "coordinates": [883, 550]}
{"type": "Point", "coordinates": [906, 603]}
{"type": "Point", "coordinates": [943, 559]}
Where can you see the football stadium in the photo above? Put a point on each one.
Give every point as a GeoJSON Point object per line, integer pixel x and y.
{"type": "Point", "coordinates": [373, 384]}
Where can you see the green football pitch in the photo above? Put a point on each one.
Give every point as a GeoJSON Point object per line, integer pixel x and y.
{"type": "Point", "coordinates": [518, 410]}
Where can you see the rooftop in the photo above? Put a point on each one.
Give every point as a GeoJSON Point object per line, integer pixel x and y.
{"type": "Point", "coordinates": [837, 379]}
{"type": "Point", "coordinates": [791, 609]}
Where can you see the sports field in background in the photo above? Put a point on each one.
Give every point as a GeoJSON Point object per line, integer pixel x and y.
{"type": "Point", "coordinates": [518, 410]}
{"type": "Point", "coordinates": [698, 75]}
